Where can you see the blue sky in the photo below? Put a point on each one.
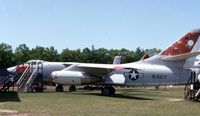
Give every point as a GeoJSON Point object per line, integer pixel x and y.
{"type": "Point", "coordinates": [110, 24]}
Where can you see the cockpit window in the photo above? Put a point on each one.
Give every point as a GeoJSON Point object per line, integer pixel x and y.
{"type": "Point", "coordinates": [33, 63]}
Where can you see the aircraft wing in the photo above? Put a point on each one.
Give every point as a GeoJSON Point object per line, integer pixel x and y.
{"type": "Point", "coordinates": [67, 64]}
{"type": "Point", "coordinates": [98, 69]}
{"type": "Point", "coordinates": [116, 61]}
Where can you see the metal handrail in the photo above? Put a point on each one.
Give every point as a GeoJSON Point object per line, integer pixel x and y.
{"type": "Point", "coordinates": [30, 78]}
{"type": "Point", "coordinates": [23, 75]}
{"type": "Point", "coordinates": [190, 79]}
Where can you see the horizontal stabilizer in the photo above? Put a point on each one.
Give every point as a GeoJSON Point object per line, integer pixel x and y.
{"type": "Point", "coordinates": [181, 56]}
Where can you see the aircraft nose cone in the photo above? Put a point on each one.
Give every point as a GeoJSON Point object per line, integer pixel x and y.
{"type": "Point", "coordinates": [54, 75]}
{"type": "Point", "coordinates": [11, 69]}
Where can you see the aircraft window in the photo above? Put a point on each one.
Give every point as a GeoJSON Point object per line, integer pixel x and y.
{"type": "Point", "coordinates": [33, 63]}
{"type": "Point", "coordinates": [152, 54]}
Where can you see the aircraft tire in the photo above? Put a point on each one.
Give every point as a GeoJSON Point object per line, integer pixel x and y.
{"type": "Point", "coordinates": [59, 88]}
{"type": "Point", "coordinates": [72, 88]}
{"type": "Point", "coordinates": [112, 90]}
{"type": "Point", "coordinates": [157, 87]}
{"type": "Point", "coordinates": [39, 89]}
{"type": "Point", "coordinates": [105, 91]}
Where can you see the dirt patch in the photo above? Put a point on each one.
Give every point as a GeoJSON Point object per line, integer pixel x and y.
{"type": "Point", "coordinates": [12, 113]}
{"type": "Point", "coordinates": [8, 111]}
{"type": "Point", "coordinates": [20, 114]}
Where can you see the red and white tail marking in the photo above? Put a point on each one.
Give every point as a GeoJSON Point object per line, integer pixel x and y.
{"type": "Point", "coordinates": [183, 45]}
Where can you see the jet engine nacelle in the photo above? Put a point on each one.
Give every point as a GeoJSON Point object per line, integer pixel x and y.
{"type": "Point", "coordinates": [73, 78]}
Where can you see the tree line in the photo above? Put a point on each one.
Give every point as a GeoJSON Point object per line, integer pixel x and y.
{"type": "Point", "coordinates": [22, 53]}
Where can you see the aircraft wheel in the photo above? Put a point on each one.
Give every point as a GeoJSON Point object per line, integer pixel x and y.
{"type": "Point", "coordinates": [106, 91]}
{"type": "Point", "coordinates": [157, 87]}
{"type": "Point", "coordinates": [72, 88]}
{"type": "Point", "coordinates": [112, 90]}
{"type": "Point", "coordinates": [59, 88]}
{"type": "Point", "coordinates": [39, 89]}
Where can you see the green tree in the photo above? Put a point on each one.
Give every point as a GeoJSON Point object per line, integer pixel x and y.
{"type": "Point", "coordinates": [89, 55]}
{"type": "Point", "coordinates": [38, 53]}
{"type": "Point", "coordinates": [21, 54]}
{"type": "Point", "coordinates": [70, 55]}
{"type": "Point", "coordinates": [103, 56]}
{"type": "Point", "coordinates": [5, 55]}
{"type": "Point", "coordinates": [86, 55]}
{"type": "Point", "coordinates": [93, 57]}
{"type": "Point", "coordinates": [77, 55]}
{"type": "Point", "coordinates": [153, 50]}
{"type": "Point", "coordinates": [127, 55]}
{"type": "Point", "coordinates": [51, 54]}
{"type": "Point", "coordinates": [139, 53]}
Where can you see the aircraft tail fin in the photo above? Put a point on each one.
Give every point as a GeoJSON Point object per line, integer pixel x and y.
{"type": "Point", "coordinates": [189, 42]}
{"type": "Point", "coordinates": [117, 60]}
{"type": "Point", "coordinates": [184, 50]}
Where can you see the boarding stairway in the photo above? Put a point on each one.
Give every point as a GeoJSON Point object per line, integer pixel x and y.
{"type": "Point", "coordinates": [31, 78]}
{"type": "Point", "coordinates": [8, 82]}
{"type": "Point", "coordinates": [5, 82]}
{"type": "Point", "coordinates": [192, 88]}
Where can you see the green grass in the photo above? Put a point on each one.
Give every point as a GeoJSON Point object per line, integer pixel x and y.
{"type": "Point", "coordinates": [126, 102]}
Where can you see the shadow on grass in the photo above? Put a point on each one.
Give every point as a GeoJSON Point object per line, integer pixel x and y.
{"type": "Point", "coordinates": [123, 96]}
{"type": "Point", "coordinates": [9, 97]}
{"type": "Point", "coordinates": [140, 91]}
{"type": "Point", "coordinates": [132, 90]}
{"type": "Point", "coordinates": [129, 97]}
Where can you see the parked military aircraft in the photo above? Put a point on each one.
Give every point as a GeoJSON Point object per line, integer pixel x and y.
{"type": "Point", "coordinates": [171, 66]}
{"type": "Point", "coordinates": [43, 70]}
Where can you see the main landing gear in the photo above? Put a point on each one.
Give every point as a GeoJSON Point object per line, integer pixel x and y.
{"type": "Point", "coordinates": [108, 90]}
{"type": "Point", "coordinates": [59, 88]}
{"type": "Point", "coordinates": [72, 88]}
